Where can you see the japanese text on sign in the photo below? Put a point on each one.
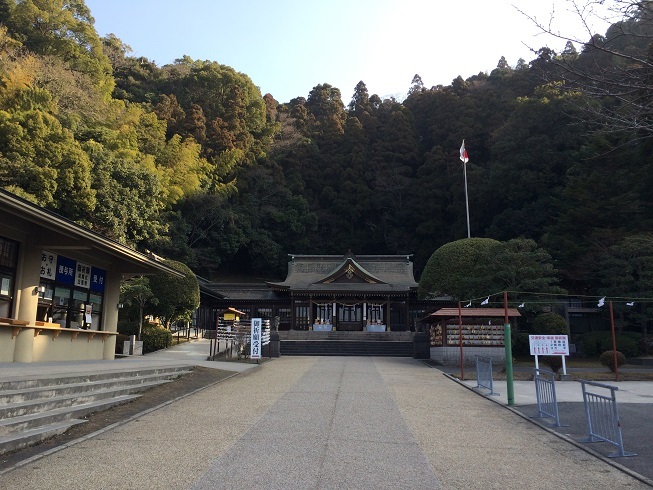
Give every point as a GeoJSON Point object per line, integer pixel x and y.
{"type": "Point", "coordinates": [48, 265]}
{"type": "Point", "coordinates": [97, 279]}
{"type": "Point", "coordinates": [65, 270]}
{"type": "Point", "coordinates": [548, 345]}
{"type": "Point", "coordinates": [255, 351]}
{"type": "Point", "coordinates": [82, 275]}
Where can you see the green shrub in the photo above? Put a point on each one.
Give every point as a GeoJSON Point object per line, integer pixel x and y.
{"type": "Point", "coordinates": [520, 344]}
{"type": "Point", "coordinates": [128, 327]}
{"type": "Point", "coordinates": [550, 324]}
{"type": "Point", "coordinates": [594, 343]}
{"type": "Point", "coordinates": [554, 362]}
{"type": "Point", "coordinates": [607, 359]}
{"type": "Point", "coordinates": [155, 337]}
{"type": "Point", "coordinates": [120, 338]}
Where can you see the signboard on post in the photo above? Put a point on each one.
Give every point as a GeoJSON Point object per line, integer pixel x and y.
{"type": "Point", "coordinates": [255, 342]}
{"type": "Point", "coordinates": [549, 345]}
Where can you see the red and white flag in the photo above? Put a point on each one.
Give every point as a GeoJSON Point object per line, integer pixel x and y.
{"type": "Point", "coordinates": [463, 153]}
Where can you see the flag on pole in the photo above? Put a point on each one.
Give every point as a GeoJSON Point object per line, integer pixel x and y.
{"type": "Point", "coordinates": [601, 302]}
{"type": "Point", "coordinates": [463, 153]}
{"type": "Point", "coordinates": [485, 301]}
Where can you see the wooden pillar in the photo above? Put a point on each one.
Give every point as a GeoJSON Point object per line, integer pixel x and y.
{"type": "Point", "coordinates": [310, 312]}
{"type": "Point", "coordinates": [407, 315]}
{"type": "Point", "coordinates": [387, 315]}
{"type": "Point", "coordinates": [293, 319]}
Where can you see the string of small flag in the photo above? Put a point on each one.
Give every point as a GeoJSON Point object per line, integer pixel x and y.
{"type": "Point", "coordinates": [486, 300]}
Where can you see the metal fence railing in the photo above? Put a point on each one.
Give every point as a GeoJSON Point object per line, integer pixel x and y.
{"type": "Point", "coordinates": [545, 393]}
{"type": "Point", "coordinates": [484, 374]}
{"type": "Point", "coordinates": [602, 414]}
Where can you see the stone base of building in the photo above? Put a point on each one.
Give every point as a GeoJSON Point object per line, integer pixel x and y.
{"type": "Point", "coordinates": [451, 355]}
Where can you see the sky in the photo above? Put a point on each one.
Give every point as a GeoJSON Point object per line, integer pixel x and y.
{"type": "Point", "coordinates": [287, 47]}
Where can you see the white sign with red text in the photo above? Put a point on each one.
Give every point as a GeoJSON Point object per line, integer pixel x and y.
{"type": "Point", "coordinates": [549, 345]}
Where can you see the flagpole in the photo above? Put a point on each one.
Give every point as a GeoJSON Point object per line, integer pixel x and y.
{"type": "Point", "coordinates": [465, 158]}
{"type": "Point", "coordinates": [469, 235]}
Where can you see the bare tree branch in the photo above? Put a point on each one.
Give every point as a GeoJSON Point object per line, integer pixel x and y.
{"type": "Point", "coordinates": [614, 71]}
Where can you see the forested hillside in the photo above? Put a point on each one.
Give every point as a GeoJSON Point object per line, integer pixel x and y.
{"type": "Point", "coordinates": [191, 161]}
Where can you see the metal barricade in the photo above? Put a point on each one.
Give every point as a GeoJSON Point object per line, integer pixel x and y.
{"type": "Point", "coordinates": [545, 393]}
{"type": "Point", "coordinates": [484, 374]}
{"type": "Point", "coordinates": [602, 414]}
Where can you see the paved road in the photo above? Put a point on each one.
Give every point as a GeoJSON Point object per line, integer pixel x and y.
{"type": "Point", "coordinates": [634, 403]}
{"type": "Point", "coordinates": [322, 423]}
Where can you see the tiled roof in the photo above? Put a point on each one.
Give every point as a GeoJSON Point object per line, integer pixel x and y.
{"type": "Point", "coordinates": [375, 274]}
{"type": "Point", "coordinates": [443, 313]}
{"type": "Point", "coordinates": [244, 291]}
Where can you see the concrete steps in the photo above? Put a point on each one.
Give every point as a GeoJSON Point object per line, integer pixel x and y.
{"type": "Point", "coordinates": [346, 348]}
{"type": "Point", "coordinates": [344, 335]}
{"type": "Point", "coordinates": [35, 409]}
{"type": "Point", "coordinates": [346, 343]}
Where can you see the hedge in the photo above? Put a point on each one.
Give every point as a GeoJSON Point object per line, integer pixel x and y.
{"type": "Point", "coordinates": [593, 344]}
{"type": "Point", "coordinates": [155, 337]}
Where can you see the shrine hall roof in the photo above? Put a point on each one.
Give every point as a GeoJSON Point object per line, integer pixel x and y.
{"type": "Point", "coordinates": [370, 274]}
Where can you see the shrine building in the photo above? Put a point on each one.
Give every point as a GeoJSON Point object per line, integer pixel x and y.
{"type": "Point", "coordinates": [353, 293]}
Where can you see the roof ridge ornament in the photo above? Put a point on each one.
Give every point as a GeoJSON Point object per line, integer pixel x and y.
{"type": "Point", "coordinates": [349, 271]}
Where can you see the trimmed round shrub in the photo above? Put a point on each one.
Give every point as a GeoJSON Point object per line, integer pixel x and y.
{"type": "Point", "coordinates": [155, 337]}
{"type": "Point", "coordinates": [607, 359]}
{"type": "Point", "coordinates": [554, 362]}
{"type": "Point", "coordinates": [452, 269]}
{"type": "Point", "coordinates": [550, 324]}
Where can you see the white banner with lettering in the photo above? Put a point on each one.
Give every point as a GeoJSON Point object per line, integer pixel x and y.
{"type": "Point", "coordinates": [255, 351]}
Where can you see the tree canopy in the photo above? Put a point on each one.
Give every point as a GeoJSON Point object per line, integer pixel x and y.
{"type": "Point", "coordinates": [191, 161]}
{"type": "Point", "coordinates": [474, 267]}
{"type": "Point", "coordinates": [454, 269]}
{"type": "Point", "coordinates": [177, 297]}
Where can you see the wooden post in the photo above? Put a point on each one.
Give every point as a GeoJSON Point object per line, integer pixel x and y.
{"type": "Point", "coordinates": [460, 341]}
{"type": "Point", "coordinates": [614, 344]}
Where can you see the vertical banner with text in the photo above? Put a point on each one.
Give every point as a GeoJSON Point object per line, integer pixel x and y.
{"type": "Point", "coordinates": [255, 352]}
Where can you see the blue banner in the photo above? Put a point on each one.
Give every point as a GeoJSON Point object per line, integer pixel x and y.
{"type": "Point", "coordinates": [97, 279]}
{"type": "Point", "coordinates": [65, 270]}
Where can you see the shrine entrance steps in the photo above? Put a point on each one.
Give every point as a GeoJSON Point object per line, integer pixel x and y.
{"type": "Point", "coordinates": [33, 409]}
{"type": "Point", "coordinates": [338, 343]}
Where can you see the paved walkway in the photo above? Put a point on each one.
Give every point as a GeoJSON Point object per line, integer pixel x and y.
{"type": "Point", "coordinates": [323, 423]}
{"type": "Point", "coordinates": [192, 353]}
